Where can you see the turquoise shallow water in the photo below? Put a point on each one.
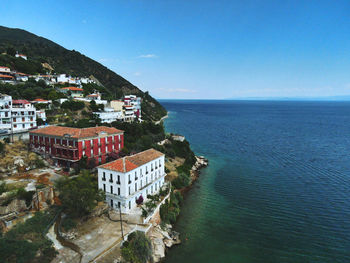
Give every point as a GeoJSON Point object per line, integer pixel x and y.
{"type": "Point", "coordinates": [278, 185]}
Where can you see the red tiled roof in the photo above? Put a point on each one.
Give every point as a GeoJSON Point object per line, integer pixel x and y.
{"type": "Point", "coordinates": [129, 163]}
{"type": "Point", "coordinates": [93, 95]}
{"type": "Point", "coordinates": [4, 67]}
{"type": "Point", "coordinates": [20, 102]}
{"type": "Point", "coordinates": [73, 88]}
{"type": "Point", "coordinates": [6, 76]}
{"type": "Point", "coordinates": [40, 100]}
{"type": "Point", "coordinates": [75, 132]}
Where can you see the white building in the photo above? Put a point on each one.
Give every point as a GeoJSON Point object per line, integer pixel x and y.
{"type": "Point", "coordinates": [5, 113]}
{"type": "Point", "coordinates": [128, 112]}
{"type": "Point", "coordinates": [5, 70]}
{"type": "Point", "coordinates": [62, 78]}
{"type": "Point", "coordinates": [126, 179]}
{"type": "Point", "coordinates": [109, 115]}
{"type": "Point", "coordinates": [132, 100]}
{"type": "Point", "coordinates": [21, 56]}
{"type": "Point", "coordinates": [41, 114]}
{"type": "Point", "coordinates": [16, 115]}
{"type": "Point", "coordinates": [23, 116]}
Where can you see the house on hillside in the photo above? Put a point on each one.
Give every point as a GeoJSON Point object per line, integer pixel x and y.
{"type": "Point", "coordinates": [126, 179]}
{"type": "Point", "coordinates": [21, 56]}
{"type": "Point", "coordinates": [6, 78]}
{"type": "Point", "coordinates": [109, 115]}
{"type": "Point", "coordinates": [74, 92]}
{"type": "Point", "coordinates": [67, 146]}
{"type": "Point", "coordinates": [5, 70]}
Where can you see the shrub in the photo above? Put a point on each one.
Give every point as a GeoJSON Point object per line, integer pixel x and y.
{"type": "Point", "coordinates": [181, 181]}
{"type": "Point", "coordinates": [139, 200]}
{"type": "Point", "coordinates": [68, 224]}
{"type": "Point", "coordinates": [138, 249]}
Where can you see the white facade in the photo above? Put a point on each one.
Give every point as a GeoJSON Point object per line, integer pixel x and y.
{"type": "Point", "coordinates": [16, 115]}
{"type": "Point", "coordinates": [23, 117]}
{"type": "Point", "coordinates": [21, 56]}
{"type": "Point", "coordinates": [5, 113]}
{"type": "Point", "coordinates": [41, 114]}
{"type": "Point", "coordinates": [5, 70]}
{"type": "Point", "coordinates": [109, 115]}
{"type": "Point", "coordinates": [135, 102]}
{"type": "Point", "coordinates": [124, 188]}
{"type": "Point", "coordinates": [62, 78]}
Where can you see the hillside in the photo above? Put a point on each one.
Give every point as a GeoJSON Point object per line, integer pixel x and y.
{"type": "Point", "coordinates": [41, 50]}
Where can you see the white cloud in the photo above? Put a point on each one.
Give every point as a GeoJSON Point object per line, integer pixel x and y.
{"type": "Point", "coordinates": [148, 56]}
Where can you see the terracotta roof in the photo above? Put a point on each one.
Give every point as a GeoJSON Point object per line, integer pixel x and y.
{"type": "Point", "coordinates": [73, 88]}
{"type": "Point", "coordinates": [76, 132]}
{"type": "Point", "coordinates": [6, 76]}
{"type": "Point", "coordinates": [40, 100]}
{"type": "Point", "coordinates": [4, 67]}
{"type": "Point", "coordinates": [20, 102]}
{"type": "Point", "coordinates": [93, 95]}
{"type": "Point", "coordinates": [129, 163]}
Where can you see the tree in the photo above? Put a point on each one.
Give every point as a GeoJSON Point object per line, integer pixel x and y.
{"type": "Point", "coordinates": [11, 51]}
{"type": "Point", "coordinates": [138, 248]}
{"type": "Point", "coordinates": [79, 195]}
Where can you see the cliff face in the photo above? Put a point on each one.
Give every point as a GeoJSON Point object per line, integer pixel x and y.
{"type": "Point", "coordinates": [41, 51]}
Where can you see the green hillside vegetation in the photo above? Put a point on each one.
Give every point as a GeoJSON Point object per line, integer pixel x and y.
{"type": "Point", "coordinates": [40, 50]}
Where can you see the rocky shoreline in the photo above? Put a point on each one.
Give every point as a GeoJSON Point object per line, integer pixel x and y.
{"type": "Point", "coordinates": [164, 239]}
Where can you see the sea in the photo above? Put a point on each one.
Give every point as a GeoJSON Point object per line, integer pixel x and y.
{"type": "Point", "coordinates": [277, 188]}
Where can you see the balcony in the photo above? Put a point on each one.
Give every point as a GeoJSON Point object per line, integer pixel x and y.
{"type": "Point", "coordinates": [103, 178]}
{"type": "Point", "coordinates": [65, 147]}
{"type": "Point", "coordinates": [118, 182]}
{"type": "Point", "coordinates": [110, 180]}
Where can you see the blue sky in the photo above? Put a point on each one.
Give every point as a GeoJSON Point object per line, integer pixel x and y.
{"type": "Point", "coordinates": [203, 49]}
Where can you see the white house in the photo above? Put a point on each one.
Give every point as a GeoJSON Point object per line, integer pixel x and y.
{"type": "Point", "coordinates": [5, 70]}
{"type": "Point", "coordinates": [23, 116]}
{"type": "Point", "coordinates": [5, 113]}
{"type": "Point", "coordinates": [109, 115]}
{"type": "Point", "coordinates": [126, 179]}
{"type": "Point", "coordinates": [62, 78]}
{"type": "Point", "coordinates": [21, 56]}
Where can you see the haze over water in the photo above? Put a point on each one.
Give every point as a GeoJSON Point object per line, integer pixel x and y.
{"type": "Point", "coordinates": [278, 183]}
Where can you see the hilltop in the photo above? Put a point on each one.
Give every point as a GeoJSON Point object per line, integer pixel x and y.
{"type": "Point", "coordinates": [45, 55]}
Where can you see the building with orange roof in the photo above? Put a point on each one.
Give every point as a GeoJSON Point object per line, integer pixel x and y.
{"type": "Point", "coordinates": [67, 146]}
{"type": "Point", "coordinates": [74, 92]}
{"type": "Point", "coordinates": [126, 179]}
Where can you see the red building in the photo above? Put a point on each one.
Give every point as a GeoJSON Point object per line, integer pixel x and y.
{"type": "Point", "coordinates": [68, 145]}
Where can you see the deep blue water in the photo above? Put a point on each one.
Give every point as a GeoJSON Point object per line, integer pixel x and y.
{"type": "Point", "coordinates": [278, 185]}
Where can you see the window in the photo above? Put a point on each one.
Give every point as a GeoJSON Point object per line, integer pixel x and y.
{"type": "Point", "coordinates": [15, 126]}
{"type": "Point", "coordinates": [111, 189]}
{"type": "Point", "coordinates": [14, 119]}
{"type": "Point", "coordinates": [23, 125]}
{"type": "Point", "coordinates": [118, 182]}
{"type": "Point", "coordinates": [23, 119]}
{"type": "Point", "coordinates": [111, 202]}
{"type": "Point", "coordinates": [135, 187]}
{"type": "Point", "coordinates": [118, 191]}
{"type": "Point", "coordinates": [129, 178]}
{"type": "Point", "coordinates": [104, 187]}
{"type": "Point", "coordinates": [111, 178]}
{"type": "Point", "coordinates": [136, 176]}
{"type": "Point", "coordinates": [104, 176]}
{"type": "Point", "coordinates": [31, 125]}
{"type": "Point", "coordinates": [129, 190]}
{"type": "Point", "coordinates": [129, 204]}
